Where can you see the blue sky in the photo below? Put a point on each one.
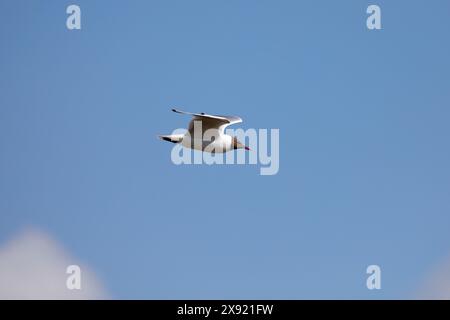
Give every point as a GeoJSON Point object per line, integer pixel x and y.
{"type": "Point", "coordinates": [364, 160]}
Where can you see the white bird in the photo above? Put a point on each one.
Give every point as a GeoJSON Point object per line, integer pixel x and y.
{"type": "Point", "coordinates": [207, 133]}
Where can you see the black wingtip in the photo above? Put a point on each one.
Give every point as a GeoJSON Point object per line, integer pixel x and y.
{"type": "Point", "coordinates": [174, 110]}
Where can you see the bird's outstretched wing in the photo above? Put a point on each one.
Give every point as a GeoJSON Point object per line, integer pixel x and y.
{"type": "Point", "coordinates": [210, 121]}
{"type": "Point", "coordinates": [227, 119]}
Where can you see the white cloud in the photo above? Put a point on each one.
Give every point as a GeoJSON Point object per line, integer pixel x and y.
{"type": "Point", "coordinates": [33, 266]}
{"type": "Point", "coordinates": [437, 283]}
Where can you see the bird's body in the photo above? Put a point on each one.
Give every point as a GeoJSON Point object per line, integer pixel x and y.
{"type": "Point", "coordinates": [207, 133]}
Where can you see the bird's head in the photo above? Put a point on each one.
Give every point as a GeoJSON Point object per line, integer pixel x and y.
{"type": "Point", "coordinates": [238, 145]}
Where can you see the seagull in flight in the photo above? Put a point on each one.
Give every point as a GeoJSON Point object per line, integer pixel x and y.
{"type": "Point", "coordinates": [215, 139]}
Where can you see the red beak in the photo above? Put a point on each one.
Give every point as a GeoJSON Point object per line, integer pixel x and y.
{"type": "Point", "coordinates": [247, 148]}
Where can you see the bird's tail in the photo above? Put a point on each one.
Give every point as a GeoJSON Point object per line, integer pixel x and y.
{"type": "Point", "coordinates": [174, 138]}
